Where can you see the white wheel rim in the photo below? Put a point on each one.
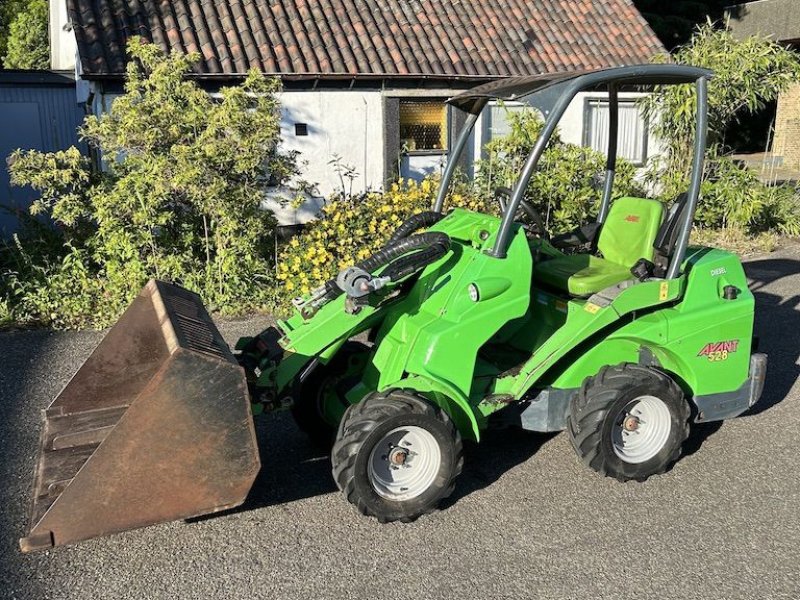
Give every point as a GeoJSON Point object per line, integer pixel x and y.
{"type": "Point", "coordinates": [404, 463]}
{"type": "Point", "coordinates": [641, 429]}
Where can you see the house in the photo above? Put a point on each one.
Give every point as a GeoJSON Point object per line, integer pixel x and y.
{"type": "Point", "coordinates": [779, 20]}
{"type": "Point", "coordinates": [366, 80]}
{"type": "Point", "coordinates": [37, 111]}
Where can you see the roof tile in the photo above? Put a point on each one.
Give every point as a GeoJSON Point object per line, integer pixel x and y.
{"type": "Point", "coordinates": [382, 38]}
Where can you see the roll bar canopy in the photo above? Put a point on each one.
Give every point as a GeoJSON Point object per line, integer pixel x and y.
{"type": "Point", "coordinates": [624, 78]}
{"type": "Point", "coordinates": [613, 80]}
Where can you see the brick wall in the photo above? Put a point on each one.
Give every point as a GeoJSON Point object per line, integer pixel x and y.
{"type": "Point", "coordinates": [787, 128]}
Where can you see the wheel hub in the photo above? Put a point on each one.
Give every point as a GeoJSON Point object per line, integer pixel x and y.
{"type": "Point", "coordinates": [404, 463]}
{"type": "Point", "coordinates": [397, 456]}
{"type": "Point", "coordinates": [631, 423]}
{"type": "Point", "coordinates": [641, 429]}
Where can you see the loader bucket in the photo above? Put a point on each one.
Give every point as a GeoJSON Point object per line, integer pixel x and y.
{"type": "Point", "coordinates": [155, 426]}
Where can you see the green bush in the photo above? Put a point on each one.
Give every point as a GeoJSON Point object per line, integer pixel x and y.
{"type": "Point", "coordinates": [747, 74]}
{"type": "Point", "coordinates": [28, 45]}
{"type": "Point", "coordinates": [182, 200]}
{"type": "Point", "coordinates": [566, 188]}
{"type": "Point", "coordinates": [733, 197]}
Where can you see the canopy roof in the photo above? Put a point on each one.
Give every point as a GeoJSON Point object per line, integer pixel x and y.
{"type": "Point", "coordinates": [635, 76]}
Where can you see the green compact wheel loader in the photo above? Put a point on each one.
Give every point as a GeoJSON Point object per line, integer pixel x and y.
{"type": "Point", "coordinates": [619, 333]}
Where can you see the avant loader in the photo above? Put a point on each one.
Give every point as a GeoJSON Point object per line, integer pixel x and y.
{"type": "Point", "coordinates": [619, 333]}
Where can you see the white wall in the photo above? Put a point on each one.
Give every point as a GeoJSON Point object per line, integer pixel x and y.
{"type": "Point", "coordinates": [348, 123]}
{"type": "Point", "coordinates": [351, 124]}
{"type": "Point", "coordinates": [63, 47]}
{"type": "Point", "coordinates": [344, 123]}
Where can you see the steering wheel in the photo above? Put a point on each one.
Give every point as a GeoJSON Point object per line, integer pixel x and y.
{"type": "Point", "coordinates": [503, 195]}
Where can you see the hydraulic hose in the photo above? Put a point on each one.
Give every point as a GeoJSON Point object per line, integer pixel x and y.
{"type": "Point", "coordinates": [424, 248]}
{"type": "Point", "coordinates": [397, 249]}
{"type": "Point", "coordinates": [413, 223]}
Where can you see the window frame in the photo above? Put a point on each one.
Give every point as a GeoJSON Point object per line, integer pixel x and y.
{"type": "Point", "coordinates": [586, 137]}
{"type": "Point", "coordinates": [487, 121]}
{"type": "Point", "coordinates": [448, 125]}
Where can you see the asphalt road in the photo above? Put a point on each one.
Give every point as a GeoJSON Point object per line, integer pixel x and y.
{"type": "Point", "coordinates": [526, 521]}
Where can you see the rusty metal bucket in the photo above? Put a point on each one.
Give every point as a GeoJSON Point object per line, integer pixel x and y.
{"type": "Point", "coordinates": [155, 426]}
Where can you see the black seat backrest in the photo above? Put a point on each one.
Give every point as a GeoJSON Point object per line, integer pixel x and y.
{"type": "Point", "coordinates": [667, 234]}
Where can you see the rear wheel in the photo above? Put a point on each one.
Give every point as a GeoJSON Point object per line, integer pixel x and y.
{"type": "Point", "coordinates": [396, 456]}
{"type": "Point", "coordinates": [628, 422]}
{"type": "Point", "coordinates": [317, 406]}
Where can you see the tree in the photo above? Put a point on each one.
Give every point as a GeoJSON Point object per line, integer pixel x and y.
{"type": "Point", "coordinates": [747, 74]}
{"type": "Point", "coordinates": [8, 11]}
{"type": "Point", "coordinates": [28, 38]}
{"type": "Point", "coordinates": [181, 198]}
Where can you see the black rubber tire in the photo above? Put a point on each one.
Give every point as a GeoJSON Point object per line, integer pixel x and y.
{"type": "Point", "coordinates": [600, 399]}
{"type": "Point", "coordinates": [306, 407]}
{"type": "Point", "coordinates": [365, 424]}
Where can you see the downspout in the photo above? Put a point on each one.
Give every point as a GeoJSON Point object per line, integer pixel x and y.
{"type": "Point", "coordinates": [366, 140]}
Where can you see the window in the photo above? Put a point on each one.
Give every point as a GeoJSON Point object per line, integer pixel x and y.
{"type": "Point", "coordinates": [423, 125]}
{"type": "Point", "coordinates": [632, 138]}
{"type": "Point", "coordinates": [497, 123]}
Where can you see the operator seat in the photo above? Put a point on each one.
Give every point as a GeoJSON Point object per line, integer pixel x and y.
{"type": "Point", "coordinates": [627, 235]}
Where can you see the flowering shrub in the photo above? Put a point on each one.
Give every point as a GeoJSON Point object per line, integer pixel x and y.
{"type": "Point", "coordinates": [351, 228]}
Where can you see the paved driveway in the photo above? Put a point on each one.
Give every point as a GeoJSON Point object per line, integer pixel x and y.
{"type": "Point", "coordinates": [527, 519]}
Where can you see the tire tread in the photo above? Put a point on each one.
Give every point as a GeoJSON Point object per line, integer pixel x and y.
{"type": "Point", "coordinates": [589, 408]}
{"type": "Point", "coordinates": [360, 420]}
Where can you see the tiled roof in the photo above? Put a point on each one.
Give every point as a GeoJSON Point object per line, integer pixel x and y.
{"type": "Point", "coordinates": [382, 38]}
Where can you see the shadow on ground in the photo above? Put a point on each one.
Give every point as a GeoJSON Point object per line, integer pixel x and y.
{"type": "Point", "coordinates": [777, 325]}
{"type": "Point", "coordinates": [499, 451]}
{"type": "Point", "coordinates": [293, 468]}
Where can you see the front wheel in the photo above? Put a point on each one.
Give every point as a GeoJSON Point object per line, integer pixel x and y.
{"type": "Point", "coordinates": [628, 422]}
{"type": "Point", "coordinates": [396, 456]}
